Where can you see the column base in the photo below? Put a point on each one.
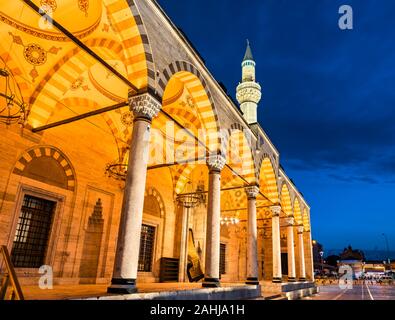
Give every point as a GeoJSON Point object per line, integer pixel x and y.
{"type": "Point", "coordinates": [252, 281]}
{"type": "Point", "coordinates": [211, 283]}
{"type": "Point", "coordinates": [277, 280]}
{"type": "Point", "coordinates": [302, 279]}
{"type": "Point", "coordinates": [291, 279]}
{"type": "Point", "coordinates": [122, 286]}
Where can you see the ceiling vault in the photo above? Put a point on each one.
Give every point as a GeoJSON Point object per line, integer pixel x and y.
{"type": "Point", "coordinates": [80, 44]}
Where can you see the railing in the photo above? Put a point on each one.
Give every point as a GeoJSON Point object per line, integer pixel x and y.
{"type": "Point", "coordinates": [9, 279]}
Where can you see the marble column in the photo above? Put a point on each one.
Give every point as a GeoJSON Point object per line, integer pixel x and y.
{"type": "Point", "coordinates": [252, 234]}
{"type": "Point", "coordinates": [309, 256]}
{"type": "Point", "coordinates": [291, 250]}
{"type": "Point", "coordinates": [144, 108]}
{"type": "Point", "coordinates": [277, 272]}
{"type": "Point", "coordinates": [187, 202]}
{"type": "Point", "coordinates": [215, 165]}
{"type": "Point", "coordinates": [302, 266]}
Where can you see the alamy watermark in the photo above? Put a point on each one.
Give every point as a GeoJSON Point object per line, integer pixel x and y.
{"type": "Point", "coordinates": [46, 280]}
{"type": "Point", "coordinates": [346, 277]}
{"type": "Point", "coordinates": [346, 20]}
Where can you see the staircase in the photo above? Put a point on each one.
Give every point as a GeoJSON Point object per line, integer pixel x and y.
{"type": "Point", "coordinates": [9, 281]}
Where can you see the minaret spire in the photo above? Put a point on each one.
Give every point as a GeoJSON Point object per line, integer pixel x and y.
{"type": "Point", "coordinates": [248, 54]}
{"type": "Point", "coordinates": [248, 92]}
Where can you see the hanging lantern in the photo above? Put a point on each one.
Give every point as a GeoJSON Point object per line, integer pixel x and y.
{"type": "Point", "coordinates": [118, 169]}
{"type": "Point", "coordinates": [189, 198]}
{"type": "Point", "coordinates": [13, 108]}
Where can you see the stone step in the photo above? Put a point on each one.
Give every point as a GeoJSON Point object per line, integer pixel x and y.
{"type": "Point", "coordinates": [276, 297]}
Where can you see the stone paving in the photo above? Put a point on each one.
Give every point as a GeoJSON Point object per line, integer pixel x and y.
{"type": "Point", "coordinates": [61, 292]}
{"type": "Point", "coordinates": [357, 292]}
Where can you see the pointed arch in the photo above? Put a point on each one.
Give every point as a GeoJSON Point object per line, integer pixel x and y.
{"type": "Point", "coordinates": [268, 181]}
{"type": "Point", "coordinates": [297, 212]}
{"type": "Point", "coordinates": [35, 162]}
{"type": "Point", "coordinates": [286, 202]}
{"type": "Point", "coordinates": [239, 155]}
{"type": "Point", "coordinates": [187, 76]}
{"type": "Point", "coordinates": [306, 220]}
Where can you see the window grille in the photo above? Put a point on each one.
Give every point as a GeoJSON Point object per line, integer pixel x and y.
{"type": "Point", "coordinates": [146, 248]}
{"type": "Point", "coordinates": [32, 233]}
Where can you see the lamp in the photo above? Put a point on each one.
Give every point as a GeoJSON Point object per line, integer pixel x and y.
{"type": "Point", "coordinates": [189, 198]}
{"type": "Point", "coordinates": [230, 220]}
{"type": "Point", "coordinates": [13, 108]}
{"type": "Point", "coordinates": [118, 169]}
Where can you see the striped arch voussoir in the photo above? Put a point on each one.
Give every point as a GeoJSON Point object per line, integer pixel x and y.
{"type": "Point", "coordinates": [155, 193]}
{"type": "Point", "coordinates": [209, 115]}
{"type": "Point", "coordinates": [237, 127]}
{"type": "Point", "coordinates": [47, 151]}
{"type": "Point", "coordinates": [260, 160]}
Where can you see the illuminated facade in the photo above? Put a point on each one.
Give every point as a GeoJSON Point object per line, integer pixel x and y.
{"type": "Point", "coordinates": [129, 158]}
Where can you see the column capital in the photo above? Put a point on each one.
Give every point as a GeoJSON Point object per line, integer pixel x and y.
{"type": "Point", "coordinates": [144, 106]}
{"type": "Point", "coordinates": [216, 162]}
{"type": "Point", "coordinates": [276, 210]}
{"type": "Point", "coordinates": [290, 221]}
{"type": "Point", "coordinates": [300, 229]}
{"type": "Point", "coordinates": [251, 191]}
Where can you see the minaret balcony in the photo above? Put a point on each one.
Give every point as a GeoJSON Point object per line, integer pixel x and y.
{"type": "Point", "coordinates": [248, 92]}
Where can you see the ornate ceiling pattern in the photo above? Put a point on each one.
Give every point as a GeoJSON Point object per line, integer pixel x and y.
{"type": "Point", "coordinates": [48, 65]}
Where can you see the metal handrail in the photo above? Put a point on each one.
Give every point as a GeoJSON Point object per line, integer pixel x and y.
{"type": "Point", "coordinates": [10, 278]}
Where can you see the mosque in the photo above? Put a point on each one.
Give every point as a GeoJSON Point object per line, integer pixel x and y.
{"type": "Point", "coordinates": [124, 163]}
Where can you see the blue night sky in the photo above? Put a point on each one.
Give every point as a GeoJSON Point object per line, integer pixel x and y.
{"type": "Point", "coordinates": [328, 100]}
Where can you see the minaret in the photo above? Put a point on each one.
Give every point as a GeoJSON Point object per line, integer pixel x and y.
{"type": "Point", "coordinates": [248, 92]}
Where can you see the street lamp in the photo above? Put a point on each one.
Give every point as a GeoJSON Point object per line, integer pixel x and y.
{"type": "Point", "coordinates": [322, 265]}
{"type": "Point", "coordinates": [388, 248]}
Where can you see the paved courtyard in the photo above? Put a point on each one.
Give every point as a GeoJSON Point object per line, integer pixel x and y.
{"type": "Point", "coordinates": [357, 292]}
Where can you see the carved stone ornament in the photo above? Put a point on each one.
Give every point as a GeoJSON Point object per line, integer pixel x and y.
{"type": "Point", "coordinates": [249, 92]}
{"type": "Point", "coordinates": [290, 221]}
{"type": "Point", "coordinates": [216, 162]}
{"type": "Point", "coordinates": [252, 192]}
{"type": "Point", "coordinates": [144, 106]}
{"type": "Point", "coordinates": [276, 210]}
{"type": "Point", "coordinates": [300, 229]}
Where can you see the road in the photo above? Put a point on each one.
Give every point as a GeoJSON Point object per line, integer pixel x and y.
{"type": "Point", "coordinates": [357, 292]}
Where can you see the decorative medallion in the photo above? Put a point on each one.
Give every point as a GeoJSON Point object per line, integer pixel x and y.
{"type": "Point", "coordinates": [83, 5]}
{"type": "Point", "coordinates": [127, 118]}
{"type": "Point", "coordinates": [48, 5]}
{"type": "Point", "coordinates": [190, 102]}
{"type": "Point", "coordinates": [35, 55]}
{"type": "Point", "coordinates": [77, 83]}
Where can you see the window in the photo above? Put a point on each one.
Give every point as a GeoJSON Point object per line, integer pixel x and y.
{"type": "Point", "coordinates": [146, 248]}
{"type": "Point", "coordinates": [32, 233]}
{"type": "Point", "coordinates": [222, 269]}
